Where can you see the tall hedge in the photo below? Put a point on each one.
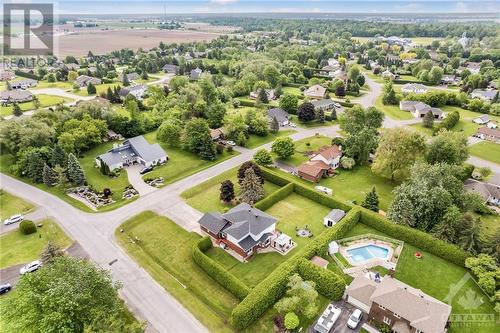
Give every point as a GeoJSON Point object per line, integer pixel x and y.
{"type": "Point", "coordinates": [274, 178]}
{"type": "Point", "coordinates": [415, 237]}
{"type": "Point", "coordinates": [216, 271]}
{"type": "Point", "coordinates": [280, 194]}
{"type": "Point", "coordinates": [328, 283]}
{"type": "Point", "coordinates": [321, 198]}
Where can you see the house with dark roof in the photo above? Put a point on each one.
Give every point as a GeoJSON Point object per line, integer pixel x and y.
{"type": "Point", "coordinates": [420, 109]}
{"type": "Point", "coordinates": [489, 192]}
{"type": "Point", "coordinates": [15, 96]}
{"type": "Point", "coordinates": [281, 116]}
{"type": "Point", "coordinates": [171, 69]}
{"type": "Point", "coordinates": [490, 134]}
{"type": "Point", "coordinates": [398, 305]}
{"type": "Point", "coordinates": [321, 164]}
{"type": "Point", "coordinates": [85, 80]}
{"type": "Point", "coordinates": [485, 95]}
{"type": "Point", "coordinates": [243, 229]}
{"type": "Point", "coordinates": [482, 120]}
{"type": "Point", "coordinates": [132, 151]}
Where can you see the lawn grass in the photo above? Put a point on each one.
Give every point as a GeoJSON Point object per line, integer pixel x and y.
{"type": "Point", "coordinates": [165, 253]}
{"type": "Point", "coordinates": [17, 248]}
{"type": "Point", "coordinates": [45, 101]}
{"type": "Point", "coordinates": [11, 205]}
{"type": "Point", "coordinates": [205, 196]}
{"type": "Point", "coordinates": [293, 91]}
{"type": "Point", "coordinates": [312, 124]}
{"type": "Point", "coordinates": [256, 141]}
{"type": "Point", "coordinates": [304, 146]}
{"type": "Point", "coordinates": [392, 111]}
{"type": "Point", "coordinates": [435, 276]}
{"type": "Point", "coordinates": [59, 84]}
{"type": "Point", "coordinates": [100, 88]}
{"type": "Point", "coordinates": [181, 163]}
{"type": "Point", "coordinates": [486, 150]}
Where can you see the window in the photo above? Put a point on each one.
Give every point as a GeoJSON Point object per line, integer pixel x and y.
{"type": "Point", "coordinates": [396, 315]}
{"type": "Point", "coordinates": [387, 320]}
{"type": "Point", "coordinates": [380, 306]}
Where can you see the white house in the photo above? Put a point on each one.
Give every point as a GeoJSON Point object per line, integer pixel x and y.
{"type": "Point", "coordinates": [333, 217]}
{"type": "Point", "coordinates": [137, 91]}
{"type": "Point", "coordinates": [414, 88]}
{"type": "Point", "coordinates": [484, 119]}
{"type": "Point", "coordinates": [329, 155]}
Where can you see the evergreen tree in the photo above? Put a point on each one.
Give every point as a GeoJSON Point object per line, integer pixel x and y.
{"type": "Point", "coordinates": [247, 165]}
{"type": "Point", "coordinates": [59, 156]}
{"type": "Point", "coordinates": [125, 80]}
{"type": "Point", "coordinates": [227, 191]}
{"type": "Point", "coordinates": [49, 176]}
{"type": "Point", "coordinates": [262, 96]}
{"type": "Point", "coordinates": [144, 75]}
{"type": "Point", "coordinates": [334, 114]}
{"type": "Point", "coordinates": [275, 126]}
{"type": "Point", "coordinates": [50, 253]}
{"type": "Point", "coordinates": [109, 95]}
{"type": "Point", "coordinates": [252, 189]}
{"type": "Point", "coordinates": [428, 120]}
{"type": "Point", "coordinates": [16, 110]}
{"type": "Point", "coordinates": [371, 200]}
{"type": "Point", "coordinates": [320, 116]}
{"type": "Point", "coordinates": [91, 89]}
{"type": "Point", "coordinates": [389, 96]}
{"type": "Point", "coordinates": [76, 175]}
{"type": "Point", "coordinates": [61, 174]}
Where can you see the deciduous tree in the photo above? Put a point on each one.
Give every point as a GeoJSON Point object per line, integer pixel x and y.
{"type": "Point", "coordinates": [263, 157]}
{"type": "Point", "coordinates": [283, 147]}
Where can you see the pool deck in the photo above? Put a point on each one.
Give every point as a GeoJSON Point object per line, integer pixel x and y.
{"type": "Point", "coordinates": [389, 262]}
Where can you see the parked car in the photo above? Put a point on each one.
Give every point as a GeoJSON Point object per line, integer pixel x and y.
{"type": "Point", "coordinates": [13, 219]}
{"type": "Point", "coordinates": [230, 143]}
{"type": "Point", "coordinates": [354, 319]}
{"type": "Point", "coordinates": [146, 170]}
{"type": "Point", "coordinates": [292, 125]}
{"type": "Point", "coordinates": [325, 190]}
{"type": "Point", "coordinates": [31, 267]}
{"type": "Point", "coordinates": [5, 288]}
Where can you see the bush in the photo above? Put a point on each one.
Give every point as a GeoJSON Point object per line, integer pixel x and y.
{"type": "Point", "coordinates": [320, 198]}
{"type": "Point", "coordinates": [27, 227]}
{"type": "Point", "coordinates": [449, 122]}
{"type": "Point", "coordinates": [274, 178]}
{"type": "Point", "coordinates": [328, 283]}
{"type": "Point", "coordinates": [216, 271]}
{"type": "Point", "coordinates": [275, 197]}
{"type": "Point", "coordinates": [420, 239]}
{"type": "Point", "coordinates": [291, 321]}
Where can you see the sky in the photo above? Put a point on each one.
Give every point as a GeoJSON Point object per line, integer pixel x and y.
{"type": "Point", "coordinates": [276, 6]}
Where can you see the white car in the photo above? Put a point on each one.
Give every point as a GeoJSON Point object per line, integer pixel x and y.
{"type": "Point", "coordinates": [292, 125]}
{"type": "Point", "coordinates": [325, 190]}
{"type": "Point", "coordinates": [337, 105]}
{"type": "Point", "coordinates": [354, 319]}
{"type": "Point", "coordinates": [13, 219]}
{"type": "Point", "coordinates": [31, 267]}
{"type": "Point", "coordinates": [230, 143]}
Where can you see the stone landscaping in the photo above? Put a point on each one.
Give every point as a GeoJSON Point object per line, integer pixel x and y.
{"type": "Point", "coordinates": [88, 194]}
{"type": "Point", "coordinates": [155, 182]}
{"type": "Point", "coordinates": [130, 192]}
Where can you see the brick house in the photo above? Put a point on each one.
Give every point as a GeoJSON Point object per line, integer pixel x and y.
{"type": "Point", "coordinates": [243, 229]}
{"type": "Point", "coordinates": [321, 164]}
{"type": "Point", "coordinates": [403, 308]}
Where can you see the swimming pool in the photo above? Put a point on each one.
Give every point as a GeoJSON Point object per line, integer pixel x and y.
{"type": "Point", "coordinates": [367, 252]}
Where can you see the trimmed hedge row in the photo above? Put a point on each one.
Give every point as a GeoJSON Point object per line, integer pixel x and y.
{"type": "Point", "coordinates": [328, 283]}
{"type": "Point", "coordinates": [272, 288]}
{"type": "Point", "coordinates": [246, 103]}
{"type": "Point", "coordinates": [274, 178]}
{"type": "Point", "coordinates": [321, 198]}
{"type": "Point", "coordinates": [420, 239]}
{"type": "Point", "coordinates": [27, 75]}
{"type": "Point", "coordinates": [280, 194]}
{"type": "Point", "coordinates": [216, 271]}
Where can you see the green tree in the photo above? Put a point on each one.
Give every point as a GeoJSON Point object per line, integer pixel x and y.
{"type": "Point", "coordinates": [69, 295]}
{"type": "Point", "coordinates": [49, 176]}
{"type": "Point", "coordinates": [227, 191]}
{"type": "Point", "coordinates": [291, 321]}
{"type": "Point", "coordinates": [289, 103]}
{"type": "Point", "coordinates": [197, 139]}
{"type": "Point", "coordinates": [263, 157]}
{"type": "Point", "coordinates": [76, 175]}
{"type": "Point", "coordinates": [301, 297]}
{"type": "Point", "coordinates": [389, 95]}
{"type": "Point", "coordinates": [251, 187]}
{"type": "Point", "coordinates": [250, 165]}
{"type": "Point", "coordinates": [59, 156]}
{"type": "Point", "coordinates": [435, 75]}
{"type": "Point", "coordinates": [361, 127]}
{"type": "Point", "coordinates": [50, 253]}
{"type": "Point", "coordinates": [16, 110]}
{"type": "Point", "coordinates": [257, 122]}
{"type": "Point", "coordinates": [274, 126]}
{"type": "Point", "coordinates": [125, 80]}
{"type": "Point", "coordinates": [470, 234]}
{"type": "Point", "coordinates": [447, 147]}
{"type": "Point", "coordinates": [283, 147]}
{"type": "Point", "coordinates": [36, 103]}
{"type": "Point", "coordinates": [61, 174]}
{"type": "Point", "coordinates": [170, 132]}
{"type": "Point", "coordinates": [91, 90]}
{"type": "Point", "coordinates": [397, 150]}
{"type": "Point", "coordinates": [448, 229]}
{"type": "Point", "coordinates": [371, 200]}
{"type": "Point", "coordinates": [215, 114]}
{"type": "Point", "coordinates": [428, 120]}
{"type": "Point", "coordinates": [262, 96]}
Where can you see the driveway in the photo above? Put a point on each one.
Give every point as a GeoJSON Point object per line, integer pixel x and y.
{"type": "Point", "coordinates": [341, 324]}
{"type": "Point", "coordinates": [135, 179]}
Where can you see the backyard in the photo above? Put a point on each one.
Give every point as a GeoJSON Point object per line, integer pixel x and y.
{"type": "Point", "coordinates": [11, 205]}
{"type": "Point", "coordinates": [17, 248]}
{"type": "Point", "coordinates": [304, 146]}
{"type": "Point", "coordinates": [256, 141]}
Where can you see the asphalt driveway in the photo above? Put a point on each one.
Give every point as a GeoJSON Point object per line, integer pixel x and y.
{"type": "Point", "coordinates": [341, 324]}
{"type": "Point", "coordinates": [135, 179]}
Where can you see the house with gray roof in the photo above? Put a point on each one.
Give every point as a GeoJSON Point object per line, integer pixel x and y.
{"type": "Point", "coordinates": [130, 76]}
{"type": "Point", "coordinates": [420, 109]}
{"type": "Point", "coordinates": [333, 217]}
{"type": "Point", "coordinates": [485, 95]}
{"type": "Point", "coordinates": [132, 151]}
{"type": "Point", "coordinates": [85, 80]}
{"type": "Point", "coordinates": [489, 192]}
{"type": "Point", "coordinates": [398, 305]}
{"type": "Point", "coordinates": [414, 88]}
{"type": "Point", "coordinates": [281, 116]}
{"type": "Point", "coordinates": [137, 91]}
{"type": "Point", "coordinates": [23, 84]}
{"type": "Point", "coordinates": [243, 229]}
{"type": "Point", "coordinates": [195, 74]}
{"type": "Point", "coordinates": [171, 69]}
{"type": "Point", "coordinates": [15, 96]}
{"type": "Point", "coordinates": [324, 104]}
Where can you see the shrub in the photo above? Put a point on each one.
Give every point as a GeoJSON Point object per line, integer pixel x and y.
{"type": "Point", "coordinates": [216, 271]}
{"type": "Point", "coordinates": [347, 163]}
{"type": "Point", "coordinates": [273, 177]}
{"type": "Point", "coordinates": [27, 227]}
{"type": "Point", "coordinates": [328, 283]}
{"type": "Point", "coordinates": [420, 239]}
{"type": "Point", "coordinates": [291, 321]}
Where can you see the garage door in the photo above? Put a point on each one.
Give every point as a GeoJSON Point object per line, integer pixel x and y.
{"type": "Point", "coordinates": [363, 307]}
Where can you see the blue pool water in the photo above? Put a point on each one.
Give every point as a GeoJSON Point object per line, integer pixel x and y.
{"type": "Point", "coordinates": [368, 252]}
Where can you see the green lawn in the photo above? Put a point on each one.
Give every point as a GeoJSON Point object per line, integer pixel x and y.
{"type": "Point", "coordinates": [486, 150]}
{"type": "Point", "coordinates": [392, 111]}
{"type": "Point", "coordinates": [45, 101]}
{"type": "Point", "coordinates": [435, 276]}
{"type": "Point", "coordinates": [205, 196]}
{"type": "Point", "coordinates": [17, 248]}
{"type": "Point", "coordinates": [302, 147]}
{"type": "Point", "coordinates": [293, 91]}
{"type": "Point", "coordinates": [181, 163]}
{"type": "Point", "coordinates": [11, 205]}
{"type": "Point", "coordinates": [164, 251]}
{"type": "Point", "coordinates": [256, 141]}
{"type": "Point", "coordinates": [100, 88]}
{"type": "Point", "coordinates": [59, 84]}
